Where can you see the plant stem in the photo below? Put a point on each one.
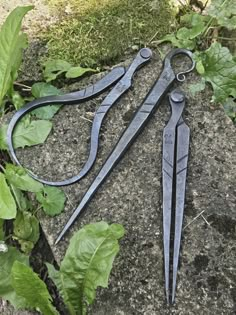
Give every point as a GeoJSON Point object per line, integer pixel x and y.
{"type": "Point", "coordinates": [22, 85]}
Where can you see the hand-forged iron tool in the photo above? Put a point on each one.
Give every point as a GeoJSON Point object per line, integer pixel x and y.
{"type": "Point", "coordinates": [138, 122]}
{"type": "Point", "coordinates": [174, 170]}
{"type": "Point", "coordinates": [124, 83]}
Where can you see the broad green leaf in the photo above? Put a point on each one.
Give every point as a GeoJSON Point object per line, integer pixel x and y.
{"type": "Point", "coordinates": [224, 11]}
{"type": "Point", "coordinates": [11, 47]}
{"type": "Point", "coordinates": [7, 202]}
{"type": "Point", "coordinates": [26, 230]}
{"type": "Point", "coordinates": [53, 68]}
{"type": "Point", "coordinates": [52, 200]}
{"type": "Point", "coordinates": [7, 292]}
{"type": "Point", "coordinates": [32, 133]}
{"type": "Point", "coordinates": [75, 72]}
{"type": "Point", "coordinates": [219, 70]}
{"type": "Point", "coordinates": [29, 286]}
{"type": "Point", "coordinates": [87, 264]}
{"type": "Point", "coordinates": [42, 89]}
{"type": "Point", "coordinates": [18, 177]}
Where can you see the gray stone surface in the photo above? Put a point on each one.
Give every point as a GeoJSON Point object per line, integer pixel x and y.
{"type": "Point", "coordinates": [132, 196]}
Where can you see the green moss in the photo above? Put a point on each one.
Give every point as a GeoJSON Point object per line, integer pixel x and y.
{"type": "Point", "coordinates": [98, 32]}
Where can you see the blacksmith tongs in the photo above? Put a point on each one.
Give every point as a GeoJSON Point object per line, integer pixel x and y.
{"type": "Point", "coordinates": [138, 122]}
{"type": "Point", "coordinates": [174, 170]}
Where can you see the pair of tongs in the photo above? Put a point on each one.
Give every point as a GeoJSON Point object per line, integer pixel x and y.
{"type": "Point", "coordinates": [174, 170]}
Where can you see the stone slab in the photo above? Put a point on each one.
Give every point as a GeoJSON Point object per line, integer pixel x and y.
{"type": "Point", "coordinates": [132, 196]}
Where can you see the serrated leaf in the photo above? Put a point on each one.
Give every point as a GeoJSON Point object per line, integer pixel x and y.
{"type": "Point", "coordinates": [26, 230]}
{"type": "Point", "coordinates": [29, 286]}
{"type": "Point", "coordinates": [224, 11]}
{"type": "Point", "coordinates": [42, 89]}
{"type": "Point", "coordinates": [7, 292]}
{"type": "Point", "coordinates": [87, 264]}
{"type": "Point", "coordinates": [52, 200]}
{"type": "Point", "coordinates": [18, 177]}
{"type": "Point", "coordinates": [11, 47]}
{"type": "Point", "coordinates": [53, 68]}
{"type": "Point", "coordinates": [75, 72]}
{"type": "Point", "coordinates": [7, 202]}
{"type": "Point", "coordinates": [219, 71]}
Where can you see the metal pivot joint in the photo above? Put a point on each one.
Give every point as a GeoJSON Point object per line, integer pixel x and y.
{"type": "Point", "coordinates": [174, 170]}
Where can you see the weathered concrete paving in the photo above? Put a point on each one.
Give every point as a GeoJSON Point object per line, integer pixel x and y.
{"type": "Point", "coordinates": [132, 196]}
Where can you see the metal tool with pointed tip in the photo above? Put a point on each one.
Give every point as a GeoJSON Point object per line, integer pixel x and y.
{"type": "Point", "coordinates": [118, 75]}
{"type": "Point", "coordinates": [141, 117]}
{"type": "Point", "coordinates": [174, 171]}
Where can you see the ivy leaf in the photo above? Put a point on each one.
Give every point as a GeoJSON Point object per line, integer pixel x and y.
{"type": "Point", "coordinates": [6, 290]}
{"type": "Point", "coordinates": [224, 11]}
{"type": "Point", "coordinates": [53, 68]}
{"type": "Point", "coordinates": [26, 230]}
{"type": "Point", "coordinates": [18, 177]}
{"type": "Point", "coordinates": [87, 264]}
{"type": "Point", "coordinates": [11, 47]}
{"type": "Point", "coordinates": [42, 89]}
{"type": "Point", "coordinates": [29, 286]}
{"type": "Point", "coordinates": [52, 200]}
{"type": "Point", "coordinates": [7, 202]}
{"type": "Point", "coordinates": [75, 72]}
{"type": "Point", "coordinates": [219, 70]}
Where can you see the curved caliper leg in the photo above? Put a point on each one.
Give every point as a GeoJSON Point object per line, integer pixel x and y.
{"type": "Point", "coordinates": [174, 170]}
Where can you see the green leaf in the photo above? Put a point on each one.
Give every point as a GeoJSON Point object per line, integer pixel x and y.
{"type": "Point", "coordinates": [23, 203]}
{"type": "Point", "coordinates": [7, 202]}
{"type": "Point", "coordinates": [2, 233]}
{"type": "Point", "coordinates": [26, 230]}
{"type": "Point", "coordinates": [197, 87]}
{"type": "Point", "coordinates": [230, 108]}
{"type": "Point", "coordinates": [17, 100]}
{"type": "Point", "coordinates": [3, 137]}
{"type": "Point", "coordinates": [6, 290]}
{"type": "Point", "coordinates": [42, 89]}
{"type": "Point", "coordinates": [27, 133]}
{"type": "Point", "coordinates": [87, 264]}
{"type": "Point", "coordinates": [11, 47]}
{"type": "Point", "coordinates": [31, 133]}
{"type": "Point", "coordinates": [224, 11]}
{"type": "Point", "coordinates": [17, 176]}
{"type": "Point", "coordinates": [53, 68]}
{"type": "Point", "coordinates": [75, 72]}
{"type": "Point", "coordinates": [52, 200]}
{"type": "Point", "coordinates": [219, 71]}
{"type": "Point", "coordinates": [29, 286]}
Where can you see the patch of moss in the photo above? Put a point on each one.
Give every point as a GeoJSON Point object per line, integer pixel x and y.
{"type": "Point", "coordinates": [98, 32]}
